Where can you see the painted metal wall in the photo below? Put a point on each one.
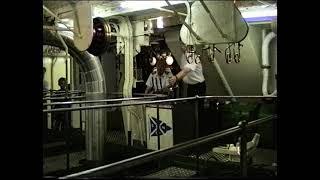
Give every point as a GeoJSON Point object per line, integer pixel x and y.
{"type": "Point", "coordinates": [245, 77]}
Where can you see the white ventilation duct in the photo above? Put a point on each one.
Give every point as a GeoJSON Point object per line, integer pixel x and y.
{"type": "Point", "coordinates": [266, 63]}
{"type": "Point", "coordinates": [95, 89]}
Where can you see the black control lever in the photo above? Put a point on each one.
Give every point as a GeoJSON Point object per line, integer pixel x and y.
{"type": "Point", "coordinates": [237, 55]}
{"type": "Point", "coordinates": [227, 54]}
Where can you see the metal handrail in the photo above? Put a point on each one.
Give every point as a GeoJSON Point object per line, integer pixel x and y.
{"type": "Point", "coordinates": [127, 163]}
{"type": "Point", "coordinates": [58, 93]}
{"type": "Point", "coordinates": [62, 95]}
{"type": "Point", "coordinates": [151, 102]}
{"type": "Point", "coordinates": [57, 98]}
{"type": "Point", "coordinates": [101, 101]}
{"type": "Point", "coordinates": [53, 90]}
{"type": "Point", "coordinates": [116, 105]}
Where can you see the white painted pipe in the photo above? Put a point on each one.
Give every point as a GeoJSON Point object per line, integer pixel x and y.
{"type": "Point", "coordinates": [54, 28]}
{"type": "Point", "coordinates": [67, 51]}
{"type": "Point", "coordinates": [188, 9]}
{"type": "Point", "coordinates": [63, 43]}
{"type": "Point", "coordinates": [264, 33]}
{"type": "Point", "coordinates": [51, 13]}
{"type": "Point", "coordinates": [170, 11]}
{"type": "Point", "coordinates": [223, 78]}
{"type": "Point", "coordinates": [126, 32]}
{"type": "Point", "coordinates": [266, 62]}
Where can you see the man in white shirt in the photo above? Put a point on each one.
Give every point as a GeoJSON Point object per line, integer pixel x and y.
{"type": "Point", "coordinates": [191, 73]}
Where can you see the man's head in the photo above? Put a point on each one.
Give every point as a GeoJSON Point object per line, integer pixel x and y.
{"type": "Point", "coordinates": [161, 66]}
{"type": "Point", "coordinates": [62, 83]}
{"type": "Point", "coordinates": [163, 54]}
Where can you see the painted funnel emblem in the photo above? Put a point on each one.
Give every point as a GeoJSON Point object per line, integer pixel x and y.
{"type": "Point", "coordinates": [163, 127]}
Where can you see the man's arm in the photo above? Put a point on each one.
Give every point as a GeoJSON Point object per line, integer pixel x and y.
{"type": "Point", "coordinates": [149, 85]}
{"type": "Point", "coordinates": [148, 90]}
{"type": "Point", "coordinates": [185, 70]}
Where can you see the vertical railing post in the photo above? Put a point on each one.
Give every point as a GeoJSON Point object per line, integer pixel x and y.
{"type": "Point", "coordinates": [52, 114]}
{"type": "Point", "coordinates": [130, 141]}
{"type": "Point", "coordinates": [80, 116]}
{"type": "Point", "coordinates": [158, 126]}
{"type": "Point", "coordinates": [129, 138]}
{"type": "Point", "coordinates": [67, 134]}
{"type": "Point", "coordinates": [196, 117]}
{"type": "Point", "coordinates": [243, 149]}
{"type": "Point", "coordinates": [67, 77]}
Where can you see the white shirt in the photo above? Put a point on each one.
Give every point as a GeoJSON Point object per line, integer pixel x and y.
{"type": "Point", "coordinates": [196, 74]}
{"type": "Point", "coordinates": [159, 82]}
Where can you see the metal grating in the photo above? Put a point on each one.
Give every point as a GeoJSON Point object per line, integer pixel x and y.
{"type": "Point", "coordinates": [211, 156]}
{"type": "Point", "coordinates": [173, 172]}
{"type": "Point", "coordinates": [116, 137]}
{"type": "Point", "coordinates": [57, 163]}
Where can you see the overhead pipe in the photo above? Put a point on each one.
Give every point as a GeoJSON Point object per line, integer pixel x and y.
{"type": "Point", "coordinates": [63, 43]}
{"type": "Point", "coordinates": [170, 11]}
{"type": "Point", "coordinates": [266, 63]}
{"type": "Point", "coordinates": [66, 50]}
{"type": "Point", "coordinates": [54, 28]}
{"type": "Point", "coordinates": [60, 21]}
